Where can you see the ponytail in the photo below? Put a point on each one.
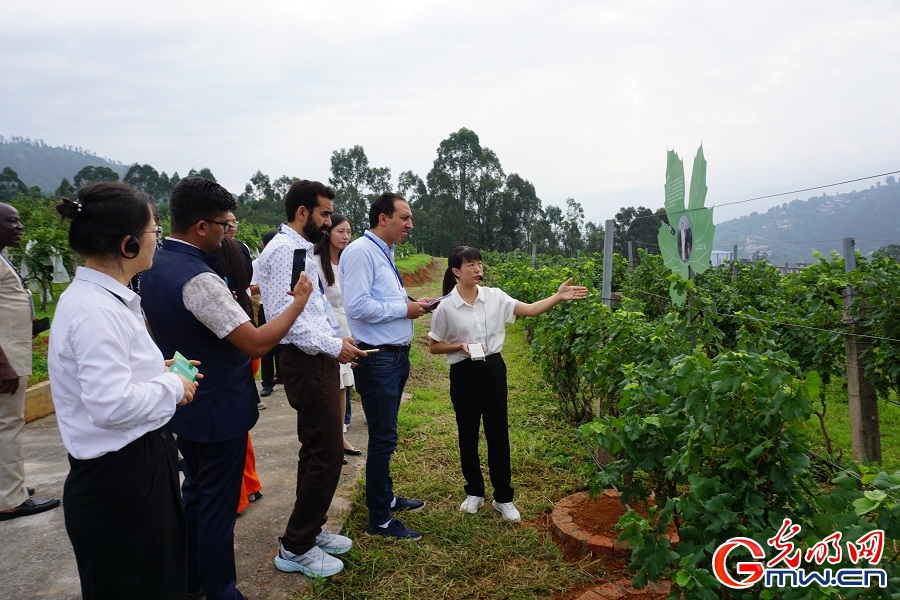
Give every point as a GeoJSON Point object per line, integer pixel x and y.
{"type": "Point", "coordinates": [449, 280]}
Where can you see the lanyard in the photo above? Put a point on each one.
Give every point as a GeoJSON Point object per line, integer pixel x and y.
{"type": "Point", "coordinates": [388, 258]}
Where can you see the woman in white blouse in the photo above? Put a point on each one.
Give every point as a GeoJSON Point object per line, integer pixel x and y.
{"type": "Point", "coordinates": [114, 396]}
{"type": "Point", "coordinates": [469, 326]}
{"type": "Point", "coordinates": [328, 257]}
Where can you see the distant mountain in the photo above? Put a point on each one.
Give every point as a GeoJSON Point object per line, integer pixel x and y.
{"type": "Point", "coordinates": [45, 166]}
{"type": "Point", "coordinates": [789, 233]}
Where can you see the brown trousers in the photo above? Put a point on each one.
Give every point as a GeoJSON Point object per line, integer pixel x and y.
{"type": "Point", "coordinates": [312, 386]}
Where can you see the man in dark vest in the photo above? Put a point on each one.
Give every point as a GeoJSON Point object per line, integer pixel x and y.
{"type": "Point", "coordinates": [191, 310]}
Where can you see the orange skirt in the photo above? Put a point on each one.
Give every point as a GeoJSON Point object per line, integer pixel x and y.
{"type": "Point", "coordinates": [250, 483]}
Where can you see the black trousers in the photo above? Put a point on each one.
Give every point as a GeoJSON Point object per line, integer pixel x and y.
{"type": "Point", "coordinates": [312, 386]}
{"type": "Point", "coordinates": [478, 391]}
{"type": "Point", "coordinates": [123, 515]}
{"type": "Point", "coordinates": [212, 487]}
{"type": "Point", "coordinates": [268, 364]}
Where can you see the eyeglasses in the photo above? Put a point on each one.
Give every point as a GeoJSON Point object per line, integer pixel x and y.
{"type": "Point", "coordinates": [226, 225]}
{"type": "Point", "coordinates": [157, 230]}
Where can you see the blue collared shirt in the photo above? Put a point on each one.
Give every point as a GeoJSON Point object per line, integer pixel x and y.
{"type": "Point", "coordinates": [374, 296]}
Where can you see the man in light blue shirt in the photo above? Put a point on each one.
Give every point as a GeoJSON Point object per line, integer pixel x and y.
{"type": "Point", "coordinates": [380, 315]}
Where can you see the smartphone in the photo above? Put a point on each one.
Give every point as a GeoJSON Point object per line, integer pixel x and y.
{"type": "Point", "coordinates": [433, 304]}
{"type": "Point", "coordinates": [298, 266]}
{"type": "Point", "coordinates": [39, 326]}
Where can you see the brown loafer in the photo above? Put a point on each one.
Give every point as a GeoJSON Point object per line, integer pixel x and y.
{"type": "Point", "coordinates": [32, 506]}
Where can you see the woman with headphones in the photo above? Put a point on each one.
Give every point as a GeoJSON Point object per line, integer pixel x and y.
{"type": "Point", "coordinates": [114, 396]}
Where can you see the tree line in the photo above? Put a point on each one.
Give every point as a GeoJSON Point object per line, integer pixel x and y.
{"type": "Point", "coordinates": [466, 198]}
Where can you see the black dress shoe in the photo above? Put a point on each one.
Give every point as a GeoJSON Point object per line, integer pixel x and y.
{"type": "Point", "coordinates": [266, 391]}
{"type": "Point", "coordinates": [352, 452]}
{"type": "Point", "coordinates": [32, 506]}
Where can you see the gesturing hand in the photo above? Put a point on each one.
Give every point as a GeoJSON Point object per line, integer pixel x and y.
{"type": "Point", "coordinates": [571, 292]}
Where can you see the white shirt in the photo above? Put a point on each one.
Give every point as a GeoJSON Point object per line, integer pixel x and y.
{"type": "Point", "coordinates": [336, 300]}
{"type": "Point", "coordinates": [107, 377]}
{"type": "Point", "coordinates": [208, 298]}
{"type": "Point", "coordinates": [211, 302]}
{"type": "Point", "coordinates": [315, 331]}
{"type": "Point", "coordinates": [483, 322]}
{"type": "Point", "coordinates": [333, 294]}
{"type": "Point", "coordinates": [254, 276]}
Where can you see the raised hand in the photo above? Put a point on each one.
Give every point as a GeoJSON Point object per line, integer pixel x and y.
{"type": "Point", "coordinates": [571, 292]}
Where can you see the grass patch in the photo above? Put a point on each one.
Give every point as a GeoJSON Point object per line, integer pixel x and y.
{"type": "Point", "coordinates": [461, 555]}
{"type": "Point", "coordinates": [837, 423]}
{"type": "Point", "coordinates": [411, 264]}
{"type": "Point", "coordinates": [39, 344]}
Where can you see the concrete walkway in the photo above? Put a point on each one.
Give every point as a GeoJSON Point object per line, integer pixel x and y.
{"type": "Point", "coordinates": [37, 559]}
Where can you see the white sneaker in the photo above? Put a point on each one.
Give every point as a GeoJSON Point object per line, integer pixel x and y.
{"type": "Point", "coordinates": [345, 428]}
{"type": "Point", "coordinates": [314, 563]}
{"type": "Point", "coordinates": [471, 504]}
{"type": "Point", "coordinates": [333, 543]}
{"type": "Point", "coordinates": [507, 510]}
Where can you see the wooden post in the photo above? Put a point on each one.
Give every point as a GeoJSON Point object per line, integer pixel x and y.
{"type": "Point", "coordinates": [865, 430]}
{"type": "Point", "coordinates": [607, 262]}
{"type": "Point", "coordinates": [534, 256]}
{"type": "Point", "coordinates": [630, 257]}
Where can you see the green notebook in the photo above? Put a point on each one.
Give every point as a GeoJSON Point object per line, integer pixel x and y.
{"type": "Point", "coordinates": [183, 367]}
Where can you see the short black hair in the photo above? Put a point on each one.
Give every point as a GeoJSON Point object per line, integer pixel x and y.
{"type": "Point", "coordinates": [103, 215]}
{"type": "Point", "coordinates": [194, 199]}
{"type": "Point", "coordinates": [267, 236]}
{"type": "Point", "coordinates": [237, 269]}
{"type": "Point", "coordinates": [458, 256]}
{"type": "Point", "coordinates": [305, 193]}
{"type": "Point", "coordinates": [383, 205]}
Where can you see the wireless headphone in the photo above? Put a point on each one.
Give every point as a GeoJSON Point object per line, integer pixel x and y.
{"type": "Point", "coordinates": [131, 248]}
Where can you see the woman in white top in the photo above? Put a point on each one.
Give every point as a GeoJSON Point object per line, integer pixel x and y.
{"type": "Point", "coordinates": [328, 257]}
{"type": "Point", "coordinates": [470, 327]}
{"type": "Point", "coordinates": [114, 396]}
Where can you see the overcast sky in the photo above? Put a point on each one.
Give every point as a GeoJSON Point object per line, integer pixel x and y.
{"type": "Point", "coordinates": [581, 98]}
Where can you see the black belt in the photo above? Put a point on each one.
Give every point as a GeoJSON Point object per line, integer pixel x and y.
{"type": "Point", "coordinates": [384, 348]}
